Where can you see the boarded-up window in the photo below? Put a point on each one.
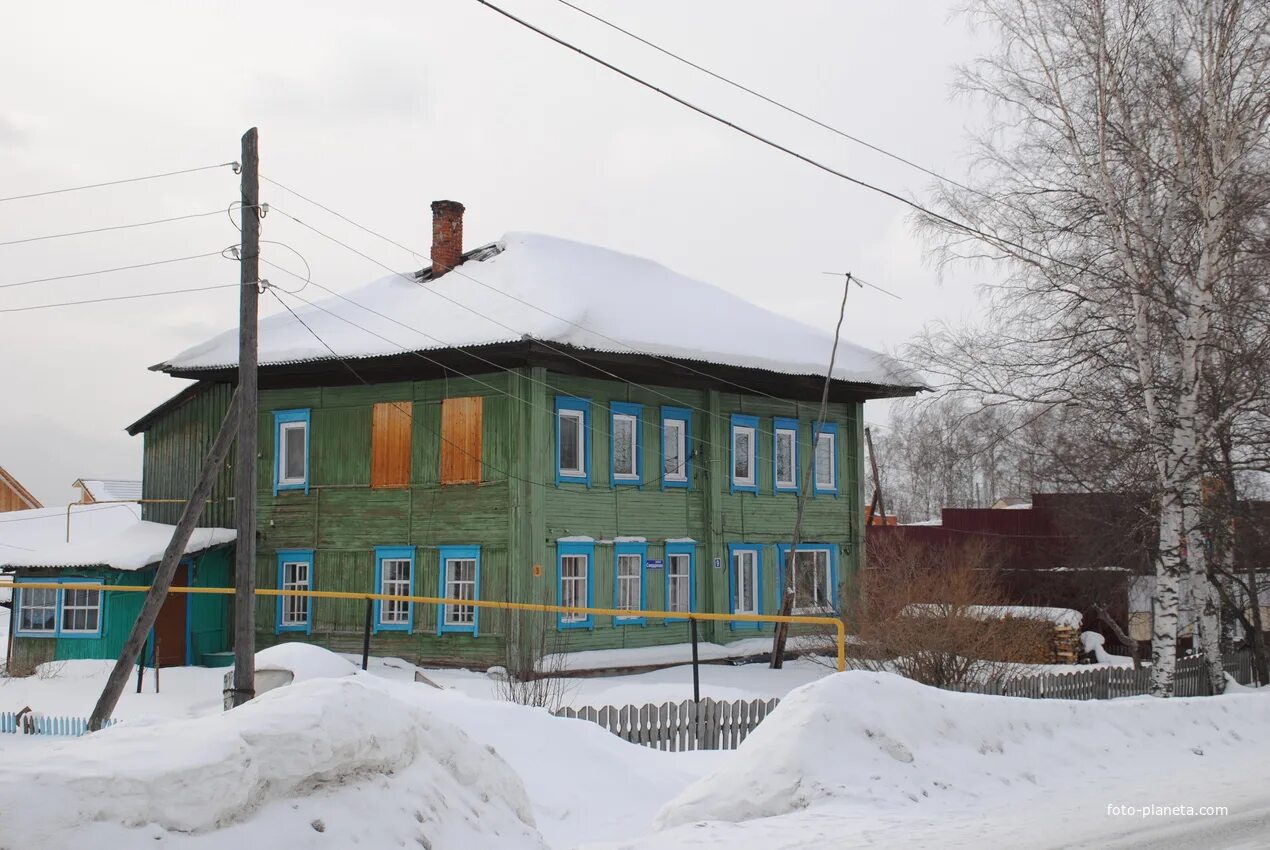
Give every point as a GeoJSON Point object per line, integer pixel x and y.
{"type": "Point", "coordinates": [390, 445]}
{"type": "Point", "coordinates": [461, 440]}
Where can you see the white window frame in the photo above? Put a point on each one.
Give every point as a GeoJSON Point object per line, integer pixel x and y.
{"type": "Point", "coordinates": [826, 590]}
{"type": "Point", "coordinates": [394, 612]}
{"type": "Point", "coordinates": [629, 586]}
{"type": "Point", "coordinates": [823, 486]}
{"type": "Point", "coordinates": [678, 585]}
{"type": "Point", "coordinates": [24, 606]}
{"type": "Point", "coordinates": [752, 456]}
{"type": "Point", "coordinates": [633, 445]}
{"type": "Point", "coordinates": [66, 606]}
{"type": "Point", "coordinates": [460, 615]}
{"type": "Point", "coordinates": [680, 430]}
{"type": "Point", "coordinates": [295, 609]}
{"type": "Point", "coordinates": [284, 428]}
{"type": "Point", "coordinates": [790, 483]}
{"type": "Point", "coordinates": [580, 417]}
{"type": "Point", "coordinates": [574, 589]}
{"type": "Point", "coordinates": [752, 573]}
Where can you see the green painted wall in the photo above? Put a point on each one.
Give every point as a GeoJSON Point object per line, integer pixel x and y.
{"type": "Point", "coordinates": [175, 446]}
{"type": "Point", "coordinates": [517, 513]}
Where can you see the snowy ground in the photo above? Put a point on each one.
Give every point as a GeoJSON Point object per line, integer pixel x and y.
{"type": "Point", "coordinates": [851, 760]}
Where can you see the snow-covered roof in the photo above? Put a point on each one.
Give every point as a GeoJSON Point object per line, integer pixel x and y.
{"type": "Point", "coordinates": [582, 295]}
{"type": "Point", "coordinates": [135, 546]}
{"type": "Point", "coordinates": [33, 530]}
{"type": "Point", "coordinates": [111, 489]}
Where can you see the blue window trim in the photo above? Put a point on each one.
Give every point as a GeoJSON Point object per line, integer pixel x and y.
{"type": "Point", "coordinates": [681, 414]}
{"type": "Point", "coordinates": [785, 424]}
{"type": "Point", "coordinates": [583, 405]}
{"type": "Point", "coordinates": [281, 417]}
{"type": "Point", "coordinates": [739, 420]}
{"type": "Point", "coordinates": [782, 549]}
{"type": "Point", "coordinates": [293, 556]}
{"type": "Point", "coordinates": [59, 596]}
{"type": "Point", "coordinates": [733, 548]}
{"type": "Point", "coordinates": [640, 549]}
{"type": "Point", "coordinates": [446, 553]}
{"type": "Point", "coordinates": [689, 549]}
{"type": "Point", "coordinates": [383, 553]}
{"type": "Point", "coordinates": [826, 428]}
{"type": "Point", "coordinates": [576, 548]}
{"type": "Point", "coordinates": [625, 408]}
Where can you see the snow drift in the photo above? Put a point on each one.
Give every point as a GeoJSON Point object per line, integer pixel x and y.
{"type": "Point", "coordinates": [885, 742]}
{"type": "Point", "coordinates": [305, 765]}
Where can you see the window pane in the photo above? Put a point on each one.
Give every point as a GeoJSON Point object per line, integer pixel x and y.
{"type": "Point", "coordinates": [628, 581]}
{"type": "Point", "coordinates": [784, 457]}
{"type": "Point", "coordinates": [293, 451]}
{"type": "Point", "coordinates": [460, 583]}
{"type": "Point", "coordinates": [395, 581]}
{"type": "Point", "coordinates": [743, 444]}
{"type": "Point", "coordinates": [624, 445]}
{"type": "Point", "coordinates": [673, 449]}
{"type": "Point", "coordinates": [573, 586]}
{"type": "Point", "coordinates": [678, 587]}
{"type": "Point", "coordinates": [746, 579]}
{"type": "Point", "coordinates": [39, 610]}
{"type": "Point", "coordinates": [570, 441]}
{"type": "Point", "coordinates": [824, 461]}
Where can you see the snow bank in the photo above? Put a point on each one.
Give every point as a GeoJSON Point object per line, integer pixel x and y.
{"type": "Point", "coordinates": [884, 742]}
{"type": "Point", "coordinates": [300, 766]}
{"type": "Point", "coordinates": [305, 660]}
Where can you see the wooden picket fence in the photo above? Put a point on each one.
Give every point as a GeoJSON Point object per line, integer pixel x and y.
{"type": "Point", "coordinates": [678, 726]}
{"type": "Point", "coordinates": [44, 724]}
{"type": "Point", "coordinates": [1190, 680]}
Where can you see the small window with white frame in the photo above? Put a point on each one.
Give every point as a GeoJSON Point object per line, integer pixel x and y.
{"type": "Point", "coordinates": [572, 422]}
{"type": "Point", "coordinates": [825, 459]}
{"type": "Point", "coordinates": [810, 574]}
{"type": "Point", "coordinates": [628, 581]}
{"type": "Point", "coordinates": [785, 455]}
{"type": "Point", "coordinates": [460, 579]}
{"type": "Point", "coordinates": [394, 573]}
{"type": "Point", "coordinates": [574, 576]}
{"type": "Point", "coordinates": [674, 447]}
{"type": "Point", "coordinates": [291, 450]}
{"type": "Point", "coordinates": [37, 611]}
{"type": "Point", "coordinates": [81, 611]}
{"type": "Point", "coordinates": [295, 574]}
{"type": "Point", "coordinates": [64, 612]}
{"type": "Point", "coordinates": [678, 578]}
{"type": "Point", "coordinates": [627, 462]}
{"type": "Point", "coordinates": [744, 453]}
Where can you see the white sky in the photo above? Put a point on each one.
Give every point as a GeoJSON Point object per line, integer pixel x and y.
{"type": "Point", "coordinates": [377, 113]}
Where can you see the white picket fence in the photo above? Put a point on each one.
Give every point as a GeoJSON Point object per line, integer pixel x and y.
{"type": "Point", "coordinates": [677, 726]}
{"type": "Point", "coordinates": [45, 724]}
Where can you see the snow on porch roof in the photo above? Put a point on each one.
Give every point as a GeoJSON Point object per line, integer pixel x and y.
{"type": "Point", "coordinates": [134, 547]}
{"type": "Point", "coordinates": [598, 299]}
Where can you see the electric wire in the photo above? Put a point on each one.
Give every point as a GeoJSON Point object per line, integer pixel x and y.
{"type": "Point", "coordinates": [115, 182]}
{"type": "Point", "coordinates": [119, 298]}
{"type": "Point", "coordinates": [110, 228]}
{"type": "Point", "coordinates": [108, 271]}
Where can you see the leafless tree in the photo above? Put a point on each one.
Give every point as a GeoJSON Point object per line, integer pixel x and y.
{"type": "Point", "coordinates": [1123, 185]}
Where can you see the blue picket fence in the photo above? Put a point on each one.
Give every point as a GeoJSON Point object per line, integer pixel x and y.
{"type": "Point", "coordinates": [43, 724]}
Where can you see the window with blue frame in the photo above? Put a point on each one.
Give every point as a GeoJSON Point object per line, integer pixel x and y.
{"type": "Point", "coordinates": [813, 575]}
{"type": "Point", "coordinates": [61, 612]}
{"type": "Point", "coordinates": [573, 424]}
{"type": "Point", "coordinates": [676, 438]}
{"type": "Point", "coordinates": [295, 572]}
{"type": "Point", "coordinates": [574, 561]}
{"type": "Point", "coordinates": [744, 453]}
{"type": "Point", "coordinates": [291, 450]}
{"type": "Point", "coordinates": [628, 580]}
{"type": "Point", "coordinates": [785, 455]}
{"type": "Point", "coordinates": [681, 596]}
{"type": "Point", "coordinates": [627, 453]}
{"type": "Point", "coordinates": [745, 581]}
{"type": "Point", "coordinates": [394, 576]}
{"type": "Point", "coordinates": [825, 459]}
{"type": "Point", "coordinates": [460, 578]}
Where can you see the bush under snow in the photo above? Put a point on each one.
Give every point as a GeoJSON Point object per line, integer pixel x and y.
{"type": "Point", "coordinates": [324, 763]}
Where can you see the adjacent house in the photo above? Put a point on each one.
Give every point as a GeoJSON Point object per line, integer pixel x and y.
{"type": "Point", "coordinates": [532, 420]}
{"type": "Point", "coordinates": [13, 496]}
{"type": "Point", "coordinates": [94, 490]}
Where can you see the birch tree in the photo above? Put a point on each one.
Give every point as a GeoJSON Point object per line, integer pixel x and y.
{"type": "Point", "coordinates": [1123, 184]}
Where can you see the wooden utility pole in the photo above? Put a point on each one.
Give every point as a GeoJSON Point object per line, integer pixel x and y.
{"type": "Point", "coordinates": [245, 468]}
{"type": "Point", "coordinates": [158, 592]}
{"type": "Point", "coordinates": [876, 508]}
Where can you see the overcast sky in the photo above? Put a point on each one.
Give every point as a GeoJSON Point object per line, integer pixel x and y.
{"type": "Point", "coordinates": [377, 112]}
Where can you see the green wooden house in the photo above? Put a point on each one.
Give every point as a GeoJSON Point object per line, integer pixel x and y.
{"type": "Point", "coordinates": [533, 420]}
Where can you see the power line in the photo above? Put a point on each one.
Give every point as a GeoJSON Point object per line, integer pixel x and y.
{"type": "Point", "coordinates": [116, 182]}
{"type": "Point", "coordinates": [108, 271]}
{"type": "Point", "coordinates": [965, 228]}
{"type": "Point", "coordinates": [778, 104]}
{"type": "Point", "coordinates": [61, 515]}
{"type": "Point", "coordinates": [112, 227]}
{"type": "Point", "coordinates": [119, 298]}
{"type": "Point", "coordinates": [857, 279]}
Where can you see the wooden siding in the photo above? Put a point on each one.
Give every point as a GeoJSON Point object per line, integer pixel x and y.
{"type": "Point", "coordinates": [391, 425]}
{"type": "Point", "coordinates": [13, 496]}
{"type": "Point", "coordinates": [461, 432]}
{"type": "Point", "coordinates": [175, 446]}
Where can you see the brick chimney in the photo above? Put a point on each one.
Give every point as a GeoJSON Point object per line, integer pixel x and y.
{"type": "Point", "coordinates": [447, 236]}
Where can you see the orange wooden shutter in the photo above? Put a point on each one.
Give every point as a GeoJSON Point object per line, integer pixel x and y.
{"type": "Point", "coordinates": [461, 440]}
{"type": "Point", "coordinates": [390, 445]}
